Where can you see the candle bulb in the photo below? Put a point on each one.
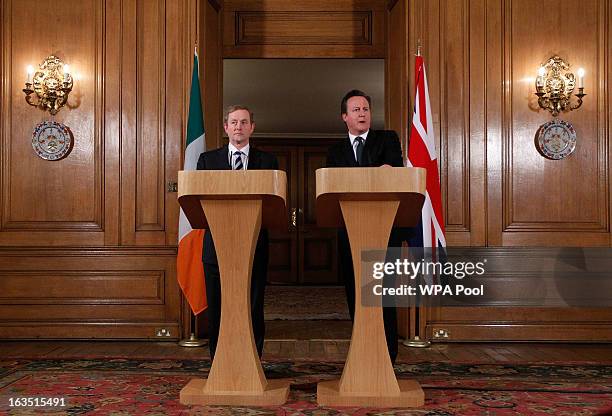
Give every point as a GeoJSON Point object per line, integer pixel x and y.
{"type": "Point", "coordinates": [30, 71]}
{"type": "Point", "coordinates": [540, 78]}
{"type": "Point", "coordinates": [580, 78]}
{"type": "Point", "coordinates": [66, 72]}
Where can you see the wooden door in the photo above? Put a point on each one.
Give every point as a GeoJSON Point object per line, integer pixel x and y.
{"type": "Point", "coordinates": [317, 246]}
{"type": "Point", "coordinates": [304, 254]}
{"type": "Point", "coordinates": [283, 266]}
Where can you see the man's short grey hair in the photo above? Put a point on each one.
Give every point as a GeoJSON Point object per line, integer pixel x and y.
{"type": "Point", "coordinates": [230, 109]}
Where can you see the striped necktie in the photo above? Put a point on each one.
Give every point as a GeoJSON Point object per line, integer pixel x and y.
{"type": "Point", "coordinates": [237, 165]}
{"type": "Point", "coordinates": [359, 150]}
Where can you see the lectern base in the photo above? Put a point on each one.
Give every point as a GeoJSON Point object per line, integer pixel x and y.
{"type": "Point", "coordinates": [411, 395]}
{"type": "Point", "coordinates": [275, 395]}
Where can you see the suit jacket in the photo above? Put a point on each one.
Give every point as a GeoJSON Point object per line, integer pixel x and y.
{"type": "Point", "coordinates": [218, 159]}
{"type": "Point", "coordinates": [381, 147]}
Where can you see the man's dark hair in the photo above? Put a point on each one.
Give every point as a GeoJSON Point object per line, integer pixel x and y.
{"type": "Point", "coordinates": [351, 94]}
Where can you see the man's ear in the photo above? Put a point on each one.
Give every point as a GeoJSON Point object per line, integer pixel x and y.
{"type": "Point", "coordinates": [344, 116]}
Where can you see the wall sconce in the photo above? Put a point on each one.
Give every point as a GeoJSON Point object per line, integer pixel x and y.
{"type": "Point", "coordinates": [52, 83]}
{"type": "Point", "coordinates": [554, 88]}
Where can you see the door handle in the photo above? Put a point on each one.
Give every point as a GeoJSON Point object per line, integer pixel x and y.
{"type": "Point", "coordinates": [294, 216]}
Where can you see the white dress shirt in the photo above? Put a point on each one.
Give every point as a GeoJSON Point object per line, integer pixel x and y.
{"type": "Point", "coordinates": [354, 142]}
{"type": "Point", "coordinates": [244, 156]}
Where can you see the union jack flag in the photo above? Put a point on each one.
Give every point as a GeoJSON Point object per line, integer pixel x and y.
{"type": "Point", "coordinates": [422, 153]}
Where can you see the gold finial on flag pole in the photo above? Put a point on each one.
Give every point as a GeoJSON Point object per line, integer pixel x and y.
{"type": "Point", "coordinates": [418, 52]}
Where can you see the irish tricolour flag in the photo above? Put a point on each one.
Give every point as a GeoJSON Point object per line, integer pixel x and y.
{"type": "Point", "coordinates": [190, 272]}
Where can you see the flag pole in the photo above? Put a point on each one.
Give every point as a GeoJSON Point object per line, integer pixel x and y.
{"type": "Point", "coordinates": [416, 341]}
{"type": "Point", "coordinates": [194, 130]}
{"type": "Point", "coordinates": [193, 340]}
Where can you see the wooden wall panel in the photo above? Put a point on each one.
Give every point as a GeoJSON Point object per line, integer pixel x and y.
{"type": "Point", "coordinates": [152, 99]}
{"type": "Point", "coordinates": [398, 72]}
{"type": "Point", "coordinates": [210, 33]}
{"type": "Point", "coordinates": [308, 29]}
{"type": "Point", "coordinates": [497, 189]}
{"type": "Point", "coordinates": [318, 246]}
{"type": "Point", "coordinates": [452, 45]}
{"type": "Point", "coordinates": [61, 287]}
{"type": "Point", "coordinates": [484, 57]}
{"type": "Point", "coordinates": [283, 262]}
{"type": "Point", "coordinates": [150, 106]}
{"type": "Point", "coordinates": [62, 200]}
{"type": "Point", "coordinates": [127, 111]}
{"type": "Point", "coordinates": [99, 292]}
{"type": "Point", "coordinates": [545, 202]}
{"type": "Point", "coordinates": [455, 87]}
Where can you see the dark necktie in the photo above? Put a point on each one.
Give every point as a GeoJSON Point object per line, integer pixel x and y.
{"type": "Point", "coordinates": [237, 165]}
{"type": "Point", "coordinates": [359, 151]}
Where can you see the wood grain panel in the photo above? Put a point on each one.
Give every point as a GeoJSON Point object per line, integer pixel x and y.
{"type": "Point", "coordinates": [85, 314]}
{"type": "Point", "coordinates": [476, 91]}
{"type": "Point", "coordinates": [127, 113]}
{"type": "Point", "coordinates": [211, 70]}
{"type": "Point", "coordinates": [66, 195]}
{"type": "Point", "coordinates": [453, 39]}
{"type": "Point", "coordinates": [280, 268]}
{"type": "Point", "coordinates": [273, 29]}
{"type": "Point", "coordinates": [521, 273]}
{"type": "Point", "coordinates": [283, 244]}
{"type": "Point", "coordinates": [285, 28]}
{"type": "Point", "coordinates": [455, 87]}
{"type": "Point", "coordinates": [99, 290]}
{"type": "Point", "coordinates": [542, 199]}
{"type": "Point", "coordinates": [520, 332]}
{"type": "Point", "coordinates": [398, 77]}
{"type": "Point", "coordinates": [317, 254]}
{"type": "Point", "coordinates": [153, 91]}
{"type": "Point", "coordinates": [399, 93]}
{"type": "Point", "coordinates": [177, 52]}
{"type": "Point", "coordinates": [88, 331]}
{"type": "Point", "coordinates": [78, 287]}
{"type": "Point", "coordinates": [318, 261]}
{"type": "Point", "coordinates": [143, 97]}
{"type": "Point", "coordinates": [150, 107]}
{"type": "Point", "coordinates": [112, 121]}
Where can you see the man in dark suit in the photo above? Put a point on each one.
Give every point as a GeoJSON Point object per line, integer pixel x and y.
{"type": "Point", "coordinates": [364, 148]}
{"type": "Point", "coordinates": [238, 154]}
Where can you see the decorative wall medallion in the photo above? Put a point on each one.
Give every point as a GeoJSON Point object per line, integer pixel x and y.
{"type": "Point", "coordinates": [52, 140]}
{"type": "Point", "coordinates": [556, 139]}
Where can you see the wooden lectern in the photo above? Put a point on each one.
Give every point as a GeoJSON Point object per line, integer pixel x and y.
{"type": "Point", "coordinates": [369, 201]}
{"type": "Point", "coordinates": [234, 205]}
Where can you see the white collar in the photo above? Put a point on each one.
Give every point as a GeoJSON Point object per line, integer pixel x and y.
{"type": "Point", "coordinates": [352, 137]}
{"type": "Point", "coordinates": [233, 149]}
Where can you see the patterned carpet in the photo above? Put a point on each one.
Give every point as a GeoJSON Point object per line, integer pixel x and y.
{"type": "Point", "coordinates": [305, 303]}
{"type": "Point", "coordinates": [151, 387]}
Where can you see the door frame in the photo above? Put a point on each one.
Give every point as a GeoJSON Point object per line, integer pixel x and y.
{"type": "Point", "coordinates": [401, 28]}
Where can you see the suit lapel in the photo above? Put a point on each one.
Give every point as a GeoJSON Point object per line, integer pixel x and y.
{"type": "Point", "coordinates": [254, 161]}
{"type": "Point", "coordinates": [348, 153]}
{"type": "Point", "coordinates": [369, 150]}
{"type": "Point", "coordinates": [224, 158]}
